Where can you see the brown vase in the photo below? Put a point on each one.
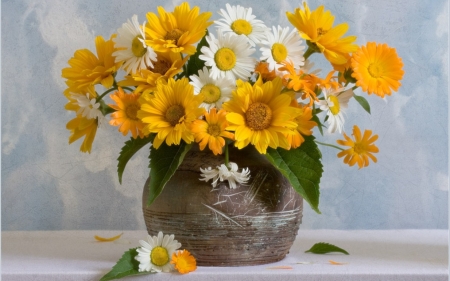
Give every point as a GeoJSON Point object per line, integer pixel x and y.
{"type": "Point", "coordinates": [255, 223]}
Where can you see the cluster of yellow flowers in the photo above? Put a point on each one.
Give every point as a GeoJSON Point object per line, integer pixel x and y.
{"type": "Point", "coordinates": [183, 83]}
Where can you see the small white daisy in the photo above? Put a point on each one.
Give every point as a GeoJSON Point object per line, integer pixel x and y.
{"type": "Point", "coordinates": [228, 56]}
{"type": "Point", "coordinates": [334, 103]}
{"type": "Point", "coordinates": [89, 108]}
{"type": "Point", "coordinates": [216, 91]}
{"type": "Point", "coordinates": [155, 254]}
{"type": "Point", "coordinates": [223, 173]}
{"type": "Point", "coordinates": [132, 48]}
{"type": "Point", "coordinates": [241, 21]}
{"type": "Point", "coordinates": [281, 45]}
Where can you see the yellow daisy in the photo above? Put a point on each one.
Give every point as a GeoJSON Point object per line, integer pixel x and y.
{"type": "Point", "coordinates": [361, 148]}
{"type": "Point", "coordinates": [212, 131]}
{"type": "Point", "coordinates": [125, 116]}
{"type": "Point", "coordinates": [81, 126]}
{"type": "Point", "coordinates": [261, 115]}
{"type": "Point", "coordinates": [167, 66]}
{"type": "Point", "coordinates": [304, 125]}
{"type": "Point", "coordinates": [86, 69]}
{"type": "Point", "coordinates": [317, 28]}
{"type": "Point", "coordinates": [184, 262]}
{"type": "Point", "coordinates": [177, 31]}
{"type": "Point", "coordinates": [377, 69]}
{"type": "Point", "coordinates": [171, 111]}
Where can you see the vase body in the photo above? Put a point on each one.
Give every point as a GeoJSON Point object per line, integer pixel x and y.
{"type": "Point", "coordinates": [256, 223]}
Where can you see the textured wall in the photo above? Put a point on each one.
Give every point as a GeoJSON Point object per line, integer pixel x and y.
{"type": "Point", "coordinates": [49, 185]}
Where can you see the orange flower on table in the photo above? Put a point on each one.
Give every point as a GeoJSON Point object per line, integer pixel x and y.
{"type": "Point", "coordinates": [86, 69]}
{"type": "Point", "coordinates": [377, 69]}
{"type": "Point", "coordinates": [261, 115]}
{"type": "Point", "coordinates": [212, 131]}
{"type": "Point", "coordinates": [170, 112]}
{"type": "Point", "coordinates": [183, 261]}
{"type": "Point", "coordinates": [304, 125]}
{"type": "Point", "coordinates": [177, 31]}
{"type": "Point", "coordinates": [361, 148]}
{"type": "Point", "coordinates": [317, 28]}
{"type": "Point", "coordinates": [125, 116]}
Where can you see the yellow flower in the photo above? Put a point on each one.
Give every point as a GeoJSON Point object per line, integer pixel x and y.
{"type": "Point", "coordinates": [167, 66]}
{"type": "Point", "coordinates": [171, 111]}
{"type": "Point", "coordinates": [304, 125]}
{"type": "Point", "coordinates": [82, 126]}
{"type": "Point", "coordinates": [125, 116]}
{"type": "Point", "coordinates": [212, 131]}
{"type": "Point", "coordinates": [361, 148]}
{"type": "Point", "coordinates": [86, 69]}
{"type": "Point", "coordinates": [184, 262]}
{"type": "Point", "coordinates": [177, 31]}
{"type": "Point", "coordinates": [317, 28]}
{"type": "Point", "coordinates": [377, 69]}
{"type": "Point", "coordinates": [261, 115]}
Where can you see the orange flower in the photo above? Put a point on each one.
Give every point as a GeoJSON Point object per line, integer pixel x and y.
{"type": "Point", "coordinates": [361, 148]}
{"type": "Point", "coordinates": [184, 262]}
{"type": "Point", "coordinates": [262, 69]}
{"type": "Point", "coordinates": [125, 116]}
{"type": "Point", "coordinates": [304, 125]}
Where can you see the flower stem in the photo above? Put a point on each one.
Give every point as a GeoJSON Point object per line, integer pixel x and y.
{"type": "Point", "coordinates": [330, 145]}
{"type": "Point", "coordinates": [227, 158]}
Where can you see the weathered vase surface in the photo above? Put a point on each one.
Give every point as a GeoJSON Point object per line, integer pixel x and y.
{"type": "Point", "coordinates": [256, 223]}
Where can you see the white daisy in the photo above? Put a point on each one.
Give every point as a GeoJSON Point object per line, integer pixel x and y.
{"type": "Point", "coordinates": [281, 45]}
{"type": "Point", "coordinates": [132, 48]}
{"type": "Point", "coordinates": [228, 56]}
{"type": "Point", "coordinates": [89, 108]}
{"type": "Point", "coordinates": [216, 91]}
{"type": "Point", "coordinates": [223, 173]}
{"type": "Point", "coordinates": [334, 103]}
{"type": "Point", "coordinates": [156, 254]}
{"type": "Point", "coordinates": [240, 20]}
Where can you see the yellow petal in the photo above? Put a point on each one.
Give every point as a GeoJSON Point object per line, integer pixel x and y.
{"type": "Point", "coordinates": [336, 263]}
{"type": "Point", "coordinates": [102, 239]}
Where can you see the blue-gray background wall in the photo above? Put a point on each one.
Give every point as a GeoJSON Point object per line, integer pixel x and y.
{"type": "Point", "coordinates": [49, 185]}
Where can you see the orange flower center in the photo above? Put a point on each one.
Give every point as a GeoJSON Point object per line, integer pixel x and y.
{"type": "Point", "coordinates": [374, 70]}
{"type": "Point", "coordinates": [360, 148]}
{"type": "Point", "coordinates": [174, 35]}
{"type": "Point", "coordinates": [214, 130]}
{"type": "Point", "coordinates": [174, 114]}
{"type": "Point", "coordinates": [258, 116]}
{"type": "Point", "coordinates": [131, 111]}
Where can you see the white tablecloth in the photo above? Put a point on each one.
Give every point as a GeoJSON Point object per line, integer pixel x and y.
{"type": "Point", "coordinates": [406, 255]}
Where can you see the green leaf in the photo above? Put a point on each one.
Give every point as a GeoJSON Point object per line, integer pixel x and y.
{"type": "Point", "coordinates": [195, 63]}
{"type": "Point", "coordinates": [302, 167]}
{"type": "Point", "coordinates": [126, 266]}
{"type": "Point", "coordinates": [164, 161]}
{"type": "Point", "coordinates": [130, 148]}
{"type": "Point", "coordinates": [363, 102]}
{"type": "Point", "coordinates": [325, 248]}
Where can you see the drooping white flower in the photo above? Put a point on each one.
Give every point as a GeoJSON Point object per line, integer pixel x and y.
{"type": "Point", "coordinates": [228, 55]}
{"type": "Point", "coordinates": [281, 45]}
{"type": "Point", "coordinates": [133, 51]}
{"type": "Point", "coordinates": [334, 103]}
{"type": "Point", "coordinates": [89, 108]}
{"type": "Point", "coordinates": [216, 91]}
{"type": "Point", "coordinates": [156, 252]}
{"type": "Point", "coordinates": [223, 173]}
{"type": "Point", "coordinates": [241, 21]}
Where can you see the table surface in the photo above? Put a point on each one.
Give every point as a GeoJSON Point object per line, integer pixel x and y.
{"type": "Point", "coordinates": [374, 255]}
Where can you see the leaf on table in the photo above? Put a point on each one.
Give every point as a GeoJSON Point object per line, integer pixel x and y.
{"type": "Point", "coordinates": [110, 239]}
{"type": "Point", "coordinates": [126, 266]}
{"type": "Point", "coordinates": [280, 267]}
{"type": "Point", "coordinates": [336, 263]}
{"type": "Point", "coordinates": [325, 248]}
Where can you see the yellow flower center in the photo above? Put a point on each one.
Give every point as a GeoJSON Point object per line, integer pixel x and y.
{"type": "Point", "coordinates": [321, 31]}
{"type": "Point", "coordinates": [174, 35]}
{"type": "Point", "coordinates": [131, 111]}
{"type": "Point", "coordinates": [241, 26]}
{"type": "Point", "coordinates": [375, 70]}
{"type": "Point", "coordinates": [279, 52]}
{"type": "Point", "coordinates": [211, 93]}
{"type": "Point", "coordinates": [336, 107]}
{"type": "Point", "coordinates": [159, 256]}
{"type": "Point", "coordinates": [214, 130]}
{"type": "Point", "coordinates": [174, 114]}
{"type": "Point", "coordinates": [161, 66]}
{"type": "Point", "coordinates": [225, 59]}
{"type": "Point", "coordinates": [258, 116]}
{"type": "Point", "coordinates": [137, 47]}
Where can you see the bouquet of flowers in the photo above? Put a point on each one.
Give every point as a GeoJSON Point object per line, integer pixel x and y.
{"type": "Point", "coordinates": [180, 78]}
